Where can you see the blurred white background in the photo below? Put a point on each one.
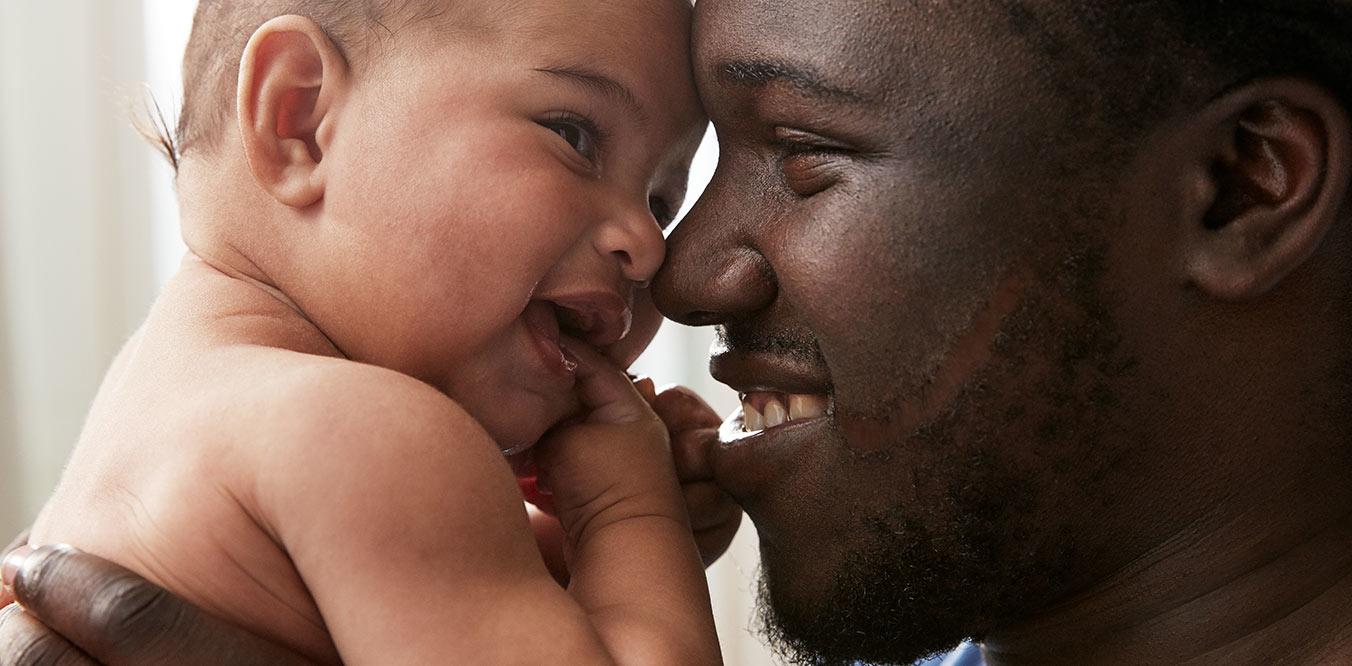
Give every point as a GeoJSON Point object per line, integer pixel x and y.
{"type": "Point", "coordinates": [89, 231]}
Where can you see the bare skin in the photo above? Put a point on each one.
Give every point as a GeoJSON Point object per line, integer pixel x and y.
{"type": "Point", "coordinates": [1087, 401]}
{"type": "Point", "coordinates": [1089, 388]}
{"type": "Point", "coordinates": [361, 330]}
{"type": "Point", "coordinates": [268, 562]}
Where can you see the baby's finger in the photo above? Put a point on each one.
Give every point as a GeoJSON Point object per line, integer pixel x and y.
{"type": "Point", "coordinates": [682, 409]}
{"type": "Point", "coordinates": [605, 392]}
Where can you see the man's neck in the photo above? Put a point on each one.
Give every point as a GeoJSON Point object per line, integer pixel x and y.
{"type": "Point", "coordinates": [1230, 593]}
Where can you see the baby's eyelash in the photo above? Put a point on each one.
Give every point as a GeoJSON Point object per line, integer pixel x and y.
{"type": "Point", "coordinates": [599, 133]}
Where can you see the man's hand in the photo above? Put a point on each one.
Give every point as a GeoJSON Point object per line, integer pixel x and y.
{"type": "Point", "coordinates": [21, 540]}
{"type": "Point", "coordinates": [114, 617]}
{"type": "Point", "coordinates": [693, 425]}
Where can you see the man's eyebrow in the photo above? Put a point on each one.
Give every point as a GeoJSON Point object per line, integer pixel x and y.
{"type": "Point", "coordinates": [598, 83]}
{"type": "Point", "coordinates": [758, 73]}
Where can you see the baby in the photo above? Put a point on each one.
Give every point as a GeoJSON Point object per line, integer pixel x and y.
{"type": "Point", "coordinates": [420, 237]}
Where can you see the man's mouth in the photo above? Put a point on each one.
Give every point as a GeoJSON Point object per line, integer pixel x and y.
{"type": "Point", "coordinates": [764, 410]}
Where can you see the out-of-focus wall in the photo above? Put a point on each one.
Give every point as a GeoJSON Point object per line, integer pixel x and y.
{"type": "Point", "coordinates": [75, 270]}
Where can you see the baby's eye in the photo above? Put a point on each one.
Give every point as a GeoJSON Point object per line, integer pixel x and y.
{"type": "Point", "coordinates": [580, 134]}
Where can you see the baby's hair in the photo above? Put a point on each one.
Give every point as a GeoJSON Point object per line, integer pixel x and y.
{"type": "Point", "coordinates": [220, 31]}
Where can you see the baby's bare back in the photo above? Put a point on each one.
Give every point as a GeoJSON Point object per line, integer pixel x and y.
{"type": "Point", "coordinates": [164, 476]}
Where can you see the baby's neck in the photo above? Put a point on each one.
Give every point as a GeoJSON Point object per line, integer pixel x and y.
{"type": "Point", "coordinates": [242, 269]}
{"type": "Point", "coordinates": [244, 307]}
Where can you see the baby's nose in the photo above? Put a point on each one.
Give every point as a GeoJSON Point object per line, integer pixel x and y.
{"type": "Point", "coordinates": [635, 240]}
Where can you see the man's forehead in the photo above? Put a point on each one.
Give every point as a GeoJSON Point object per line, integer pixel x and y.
{"type": "Point", "coordinates": [865, 45]}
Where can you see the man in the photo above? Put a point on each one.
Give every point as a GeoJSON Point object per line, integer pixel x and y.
{"type": "Point", "coordinates": [1075, 280]}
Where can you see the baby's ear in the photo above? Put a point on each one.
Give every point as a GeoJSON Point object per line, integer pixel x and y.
{"type": "Point", "coordinates": [290, 76]}
{"type": "Point", "coordinates": [1275, 180]}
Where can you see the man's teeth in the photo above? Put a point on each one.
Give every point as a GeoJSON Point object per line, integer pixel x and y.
{"type": "Point", "coordinates": [775, 414]}
{"type": "Point", "coordinates": [762, 411]}
{"type": "Point", "coordinates": [751, 419]}
{"type": "Point", "coordinates": [806, 407]}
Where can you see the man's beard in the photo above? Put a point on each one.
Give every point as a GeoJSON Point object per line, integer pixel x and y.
{"type": "Point", "coordinates": [923, 579]}
{"type": "Point", "coordinates": [904, 598]}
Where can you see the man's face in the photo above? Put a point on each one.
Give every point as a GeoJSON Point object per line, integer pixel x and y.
{"type": "Point", "coordinates": [902, 230]}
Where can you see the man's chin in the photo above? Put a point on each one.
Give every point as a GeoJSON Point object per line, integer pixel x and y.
{"type": "Point", "coordinates": [879, 610]}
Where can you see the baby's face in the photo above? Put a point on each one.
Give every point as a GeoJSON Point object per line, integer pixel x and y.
{"type": "Point", "coordinates": [487, 193]}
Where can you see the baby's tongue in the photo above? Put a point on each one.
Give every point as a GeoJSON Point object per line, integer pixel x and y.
{"type": "Point", "coordinates": [543, 319]}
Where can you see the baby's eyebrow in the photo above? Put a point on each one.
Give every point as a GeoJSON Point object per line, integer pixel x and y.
{"type": "Point", "coordinates": [596, 82]}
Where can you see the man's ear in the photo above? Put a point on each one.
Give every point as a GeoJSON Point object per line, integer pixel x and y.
{"type": "Point", "coordinates": [289, 78]}
{"type": "Point", "coordinates": [1275, 181]}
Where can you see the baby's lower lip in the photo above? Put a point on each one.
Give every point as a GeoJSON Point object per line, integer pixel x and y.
{"type": "Point", "coordinates": [550, 353]}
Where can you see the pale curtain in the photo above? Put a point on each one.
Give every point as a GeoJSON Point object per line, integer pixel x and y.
{"type": "Point", "coordinates": [75, 266]}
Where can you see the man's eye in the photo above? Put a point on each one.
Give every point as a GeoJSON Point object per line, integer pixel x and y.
{"type": "Point", "coordinates": [809, 173]}
{"type": "Point", "coordinates": [811, 164]}
{"type": "Point", "coordinates": [578, 134]}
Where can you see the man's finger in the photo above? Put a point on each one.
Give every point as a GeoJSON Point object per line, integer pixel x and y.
{"type": "Point", "coordinates": [18, 541]}
{"type": "Point", "coordinates": [715, 541]}
{"type": "Point", "coordinates": [646, 388]}
{"type": "Point", "coordinates": [119, 618]}
{"type": "Point", "coordinates": [690, 452]}
{"type": "Point", "coordinates": [26, 642]}
{"type": "Point", "coordinates": [22, 539]}
{"type": "Point", "coordinates": [709, 505]}
{"type": "Point", "coordinates": [682, 409]}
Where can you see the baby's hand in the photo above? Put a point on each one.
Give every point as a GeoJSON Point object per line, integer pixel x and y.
{"type": "Point", "coordinates": [693, 427]}
{"type": "Point", "coordinates": [635, 568]}
{"type": "Point", "coordinates": [612, 463]}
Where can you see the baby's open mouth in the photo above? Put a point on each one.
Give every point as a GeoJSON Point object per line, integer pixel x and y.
{"type": "Point", "coordinates": [599, 318]}
{"type": "Point", "coordinates": [543, 322]}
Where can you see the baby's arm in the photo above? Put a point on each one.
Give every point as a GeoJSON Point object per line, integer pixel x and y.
{"type": "Point", "coordinates": [635, 567]}
{"type": "Point", "coordinates": [408, 529]}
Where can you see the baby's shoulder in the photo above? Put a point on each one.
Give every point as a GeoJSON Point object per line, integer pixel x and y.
{"type": "Point", "coordinates": [337, 403]}
{"type": "Point", "coordinates": [345, 443]}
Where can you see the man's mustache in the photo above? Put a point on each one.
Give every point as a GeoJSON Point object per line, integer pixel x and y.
{"type": "Point", "coordinates": [799, 345]}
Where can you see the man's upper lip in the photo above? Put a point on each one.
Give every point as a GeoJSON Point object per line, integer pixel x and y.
{"type": "Point", "coordinates": [601, 318]}
{"type": "Point", "coordinates": [748, 372]}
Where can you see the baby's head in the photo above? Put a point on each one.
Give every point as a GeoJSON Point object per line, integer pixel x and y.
{"type": "Point", "coordinates": [440, 187]}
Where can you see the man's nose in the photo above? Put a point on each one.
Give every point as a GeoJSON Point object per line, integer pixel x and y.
{"type": "Point", "coordinates": [715, 271]}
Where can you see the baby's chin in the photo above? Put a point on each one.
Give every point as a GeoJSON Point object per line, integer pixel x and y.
{"type": "Point", "coordinates": [530, 417]}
